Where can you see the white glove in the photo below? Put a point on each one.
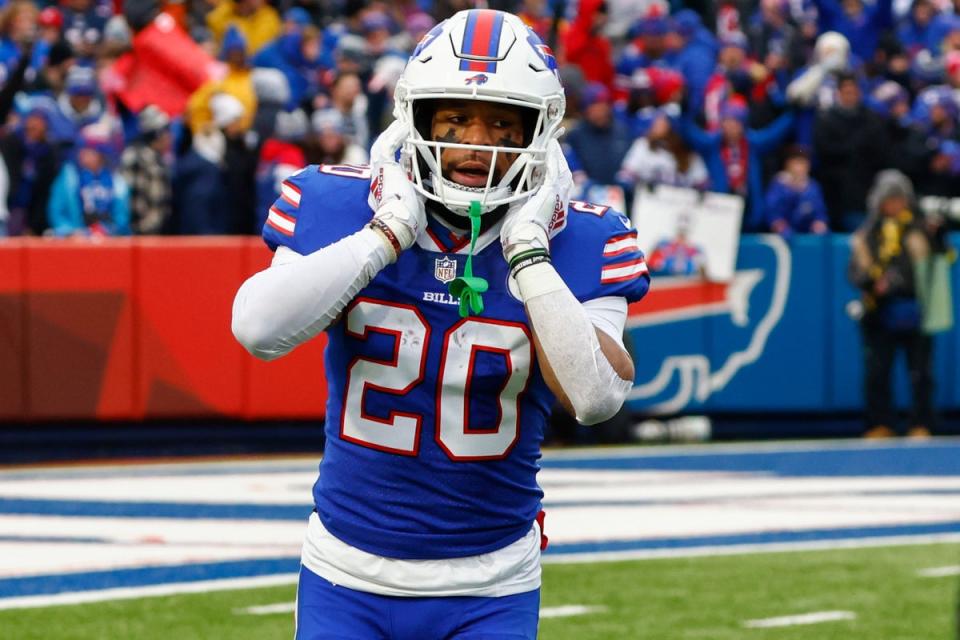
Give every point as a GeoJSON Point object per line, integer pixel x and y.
{"type": "Point", "coordinates": [392, 196]}
{"type": "Point", "coordinates": [527, 226]}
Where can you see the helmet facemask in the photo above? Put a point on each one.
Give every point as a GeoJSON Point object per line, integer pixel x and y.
{"type": "Point", "coordinates": [519, 181]}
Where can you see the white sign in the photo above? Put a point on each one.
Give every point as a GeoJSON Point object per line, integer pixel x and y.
{"type": "Point", "coordinates": [689, 227]}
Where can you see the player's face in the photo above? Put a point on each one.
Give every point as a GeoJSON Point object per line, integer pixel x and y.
{"type": "Point", "coordinates": [480, 123]}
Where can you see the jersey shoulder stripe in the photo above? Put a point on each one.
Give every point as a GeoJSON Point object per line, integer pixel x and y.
{"type": "Point", "coordinates": [318, 205]}
{"type": "Point", "coordinates": [598, 255]}
{"type": "Point", "coordinates": [283, 223]}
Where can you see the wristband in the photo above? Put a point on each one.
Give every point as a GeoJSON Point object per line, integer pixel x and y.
{"type": "Point", "coordinates": [521, 262]}
{"type": "Point", "coordinates": [384, 229]}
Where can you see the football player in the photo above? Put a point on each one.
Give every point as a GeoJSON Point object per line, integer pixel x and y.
{"type": "Point", "coordinates": [460, 294]}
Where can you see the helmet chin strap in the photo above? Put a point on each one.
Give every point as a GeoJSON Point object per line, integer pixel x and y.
{"type": "Point", "coordinates": [471, 194]}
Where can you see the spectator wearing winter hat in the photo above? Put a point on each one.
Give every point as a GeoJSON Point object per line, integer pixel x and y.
{"type": "Point", "coordinates": [814, 87]}
{"type": "Point", "coordinates": [239, 163]}
{"type": "Point", "coordinates": [33, 161]}
{"type": "Point", "coordinates": [297, 55]}
{"type": "Point", "coordinates": [587, 47]}
{"type": "Point", "coordinates": [145, 167]}
{"type": "Point", "coordinates": [934, 115]}
{"type": "Point", "coordinates": [201, 197]}
{"type": "Point", "coordinates": [772, 37]}
{"type": "Point", "coordinates": [794, 202]}
{"type": "Point", "coordinates": [238, 82]}
{"type": "Point", "coordinates": [735, 73]}
{"type": "Point", "coordinates": [347, 97]}
{"type": "Point", "coordinates": [329, 142]}
{"type": "Point", "coordinates": [273, 95]}
{"type": "Point", "coordinates": [78, 105]}
{"type": "Point", "coordinates": [117, 38]}
{"type": "Point", "coordinates": [906, 150]}
{"type": "Point", "coordinates": [88, 197]}
{"type": "Point", "coordinates": [83, 24]}
{"type": "Point", "coordinates": [599, 142]}
{"type": "Point", "coordinates": [886, 252]}
{"type": "Point", "coordinates": [280, 157]}
{"type": "Point", "coordinates": [49, 33]}
{"type": "Point", "coordinates": [734, 154]}
{"type": "Point", "coordinates": [915, 32]}
{"type": "Point", "coordinates": [647, 49]}
{"type": "Point", "coordinates": [850, 145]}
{"type": "Point", "coordinates": [257, 21]}
{"type": "Point", "coordinates": [861, 23]}
{"type": "Point", "coordinates": [695, 55]}
{"type": "Point", "coordinates": [661, 157]}
{"type": "Point", "coordinates": [649, 91]}
{"type": "Point", "coordinates": [373, 39]}
{"type": "Point", "coordinates": [295, 19]}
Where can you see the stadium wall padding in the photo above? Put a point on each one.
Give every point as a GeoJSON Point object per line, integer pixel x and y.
{"type": "Point", "coordinates": [783, 340]}
{"type": "Point", "coordinates": [138, 328]}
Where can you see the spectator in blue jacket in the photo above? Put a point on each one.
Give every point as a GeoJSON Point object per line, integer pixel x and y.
{"type": "Point", "coordinates": [861, 24]}
{"type": "Point", "coordinates": [696, 56]}
{"type": "Point", "coordinates": [794, 202]}
{"type": "Point", "coordinates": [88, 197]}
{"type": "Point", "coordinates": [734, 154]}
{"type": "Point", "coordinates": [600, 141]}
{"type": "Point", "coordinates": [78, 106]}
{"type": "Point", "coordinates": [297, 55]}
{"type": "Point", "coordinates": [916, 31]}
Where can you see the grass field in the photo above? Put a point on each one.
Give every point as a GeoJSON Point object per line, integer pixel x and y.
{"type": "Point", "coordinates": [697, 598]}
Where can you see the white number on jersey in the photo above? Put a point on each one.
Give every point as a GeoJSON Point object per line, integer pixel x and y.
{"type": "Point", "coordinates": [400, 433]}
{"type": "Point", "coordinates": [360, 171]}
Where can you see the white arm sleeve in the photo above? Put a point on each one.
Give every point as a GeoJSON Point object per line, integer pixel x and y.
{"type": "Point", "coordinates": [803, 90]}
{"type": "Point", "coordinates": [298, 296]}
{"type": "Point", "coordinates": [569, 342]}
{"type": "Point", "coordinates": [608, 314]}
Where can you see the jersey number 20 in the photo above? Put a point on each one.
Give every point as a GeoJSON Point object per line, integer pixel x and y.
{"type": "Point", "coordinates": [400, 432]}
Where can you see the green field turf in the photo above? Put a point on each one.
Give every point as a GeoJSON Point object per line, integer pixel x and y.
{"type": "Point", "coordinates": [705, 598]}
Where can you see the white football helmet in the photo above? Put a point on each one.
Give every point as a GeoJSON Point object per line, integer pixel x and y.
{"type": "Point", "coordinates": [480, 55]}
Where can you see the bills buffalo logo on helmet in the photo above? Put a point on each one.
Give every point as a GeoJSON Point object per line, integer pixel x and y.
{"type": "Point", "coordinates": [478, 79]}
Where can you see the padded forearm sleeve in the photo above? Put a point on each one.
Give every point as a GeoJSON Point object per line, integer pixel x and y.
{"type": "Point", "coordinates": [569, 342]}
{"type": "Point", "coordinates": [300, 296]}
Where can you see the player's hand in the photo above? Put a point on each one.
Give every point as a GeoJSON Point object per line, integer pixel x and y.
{"type": "Point", "coordinates": [393, 198]}
{"type": "Point", "coordinates": [527, 225]}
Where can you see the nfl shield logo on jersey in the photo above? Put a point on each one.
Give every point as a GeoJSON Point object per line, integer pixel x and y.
{"type": "Point", "coordinates": [445, 269]}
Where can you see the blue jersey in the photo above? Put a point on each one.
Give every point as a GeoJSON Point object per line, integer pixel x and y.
{"type": "Point", "coordinates": [434, 422]}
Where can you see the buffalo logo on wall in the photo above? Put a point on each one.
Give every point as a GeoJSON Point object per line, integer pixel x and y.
{"type": "Point", "coordinates": [703, 324]}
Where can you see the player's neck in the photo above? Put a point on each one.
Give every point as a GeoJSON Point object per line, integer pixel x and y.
{"type": "Point", "coordinates": [459, 224]}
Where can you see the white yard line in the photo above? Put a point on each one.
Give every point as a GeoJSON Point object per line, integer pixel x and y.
{"type": "Point", "coordinates": [569, 610]}
{"type": "Point", "coordinates": [804, 618]}
{"type": "Point", "coordinates": [940, 572]}
{"type": "Point", "coordinates": [129, 593]}
{"type": "Point", "coordinates": [267, 609]}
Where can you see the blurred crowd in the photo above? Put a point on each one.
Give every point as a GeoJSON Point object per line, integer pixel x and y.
{"type": "Point", "coordinates": [183, 117]}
